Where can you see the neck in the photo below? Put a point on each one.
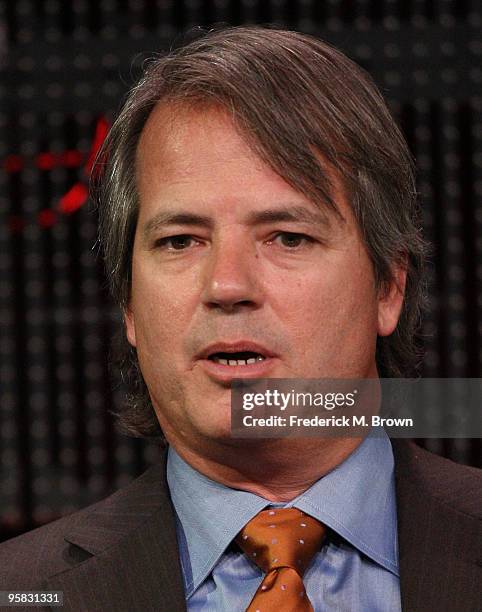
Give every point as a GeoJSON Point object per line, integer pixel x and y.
{"type": "Point", "coordinates": [277, 470]}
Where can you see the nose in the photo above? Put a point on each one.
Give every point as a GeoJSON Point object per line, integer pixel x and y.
{"type": "Point", "coordinates": [232, 276]}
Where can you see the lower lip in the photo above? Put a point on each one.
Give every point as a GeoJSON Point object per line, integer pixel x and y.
{"type": "Point", "coordinates": [226, 373]}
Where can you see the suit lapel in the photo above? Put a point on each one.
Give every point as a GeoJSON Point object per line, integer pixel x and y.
{"type": "Point", "coordinates": [130, 549]}
{"type": "Point", "coordinates": [439, 544]}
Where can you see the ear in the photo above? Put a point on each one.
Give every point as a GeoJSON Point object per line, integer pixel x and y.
{"type": "Point", "coordinates": [390, 300]}
{"type": "Point", "coordinates": [129, 322]}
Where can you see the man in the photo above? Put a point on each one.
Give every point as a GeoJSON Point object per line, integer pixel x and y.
{"type": "Point", "coordinates": [258, 219]}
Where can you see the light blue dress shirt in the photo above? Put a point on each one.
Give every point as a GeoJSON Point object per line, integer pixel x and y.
{"type": "Point", "coordinates": [355, 571]}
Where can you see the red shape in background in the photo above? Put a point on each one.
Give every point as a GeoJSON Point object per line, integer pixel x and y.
{"type": "Point", "coordinates": [46, 161]}
{"type": "Point", "coordinates": [71, 158]}
{"type": "Point", "coordinates": [101, 129]}
{"type": "Point", "coordinates": [78, 194]}
{"type": "Point", "coordinates": [47, 217]}
{"type": "Point", "coordinates": [75, 197]}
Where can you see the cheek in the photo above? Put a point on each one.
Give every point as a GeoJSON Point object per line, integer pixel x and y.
{"type": "Point", "coordinates": [330, 306]}
{"type": "Point", "coordinates": [158, 312]}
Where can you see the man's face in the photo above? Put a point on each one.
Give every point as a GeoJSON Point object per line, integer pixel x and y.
{"type": "Point", "coordinates": [236, 274]}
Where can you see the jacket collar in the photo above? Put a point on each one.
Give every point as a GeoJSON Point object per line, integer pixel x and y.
{"type": "Point", "coordinates": [109, 521]}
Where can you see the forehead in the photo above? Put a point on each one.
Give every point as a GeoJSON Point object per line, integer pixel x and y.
{"type": "Point", "coordinates": [185, 152]}
{"type": "Point", "coordinates": [179, 142]}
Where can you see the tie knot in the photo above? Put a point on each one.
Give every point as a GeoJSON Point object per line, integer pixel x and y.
{"type": "Point", "coordinates": [284, 537]}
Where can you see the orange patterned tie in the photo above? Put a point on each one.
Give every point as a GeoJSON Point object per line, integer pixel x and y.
{"type": "Point", "coordinates": [282, 542]}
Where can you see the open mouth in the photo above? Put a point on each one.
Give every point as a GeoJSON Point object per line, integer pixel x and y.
{"type": "Point", "coordinates": [240, 358]}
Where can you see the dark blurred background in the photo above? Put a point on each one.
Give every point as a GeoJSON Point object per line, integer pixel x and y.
{"type": "Point", "coordinates": [65, 67]}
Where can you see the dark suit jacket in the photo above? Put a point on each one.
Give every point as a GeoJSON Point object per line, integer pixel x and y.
{"type": "Point", "coordinates": [121, 553]}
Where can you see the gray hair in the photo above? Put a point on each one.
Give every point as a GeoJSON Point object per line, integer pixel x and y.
{"type": "Point", "coordinates": [296, 100]}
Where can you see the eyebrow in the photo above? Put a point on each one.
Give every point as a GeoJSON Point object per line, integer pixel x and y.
{"type": "Point", "coordinates": [173, 218]}
{"type": "Point", "coordinates": [297, 214]}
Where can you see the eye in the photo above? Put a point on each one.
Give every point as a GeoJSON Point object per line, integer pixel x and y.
{"type": "Point", "coordinates": [292, 240]}
{"type": "Point", "coordinates": [176, 243]}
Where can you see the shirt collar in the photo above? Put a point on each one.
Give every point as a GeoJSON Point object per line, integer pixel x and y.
{"type": "Point", "coordinates": [210, 515]}
{"type": "Point", "coordinates": [356, 500]}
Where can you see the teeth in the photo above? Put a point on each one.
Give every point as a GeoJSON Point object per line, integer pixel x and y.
{"type": "Point", "coordinates": [238, 362]}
